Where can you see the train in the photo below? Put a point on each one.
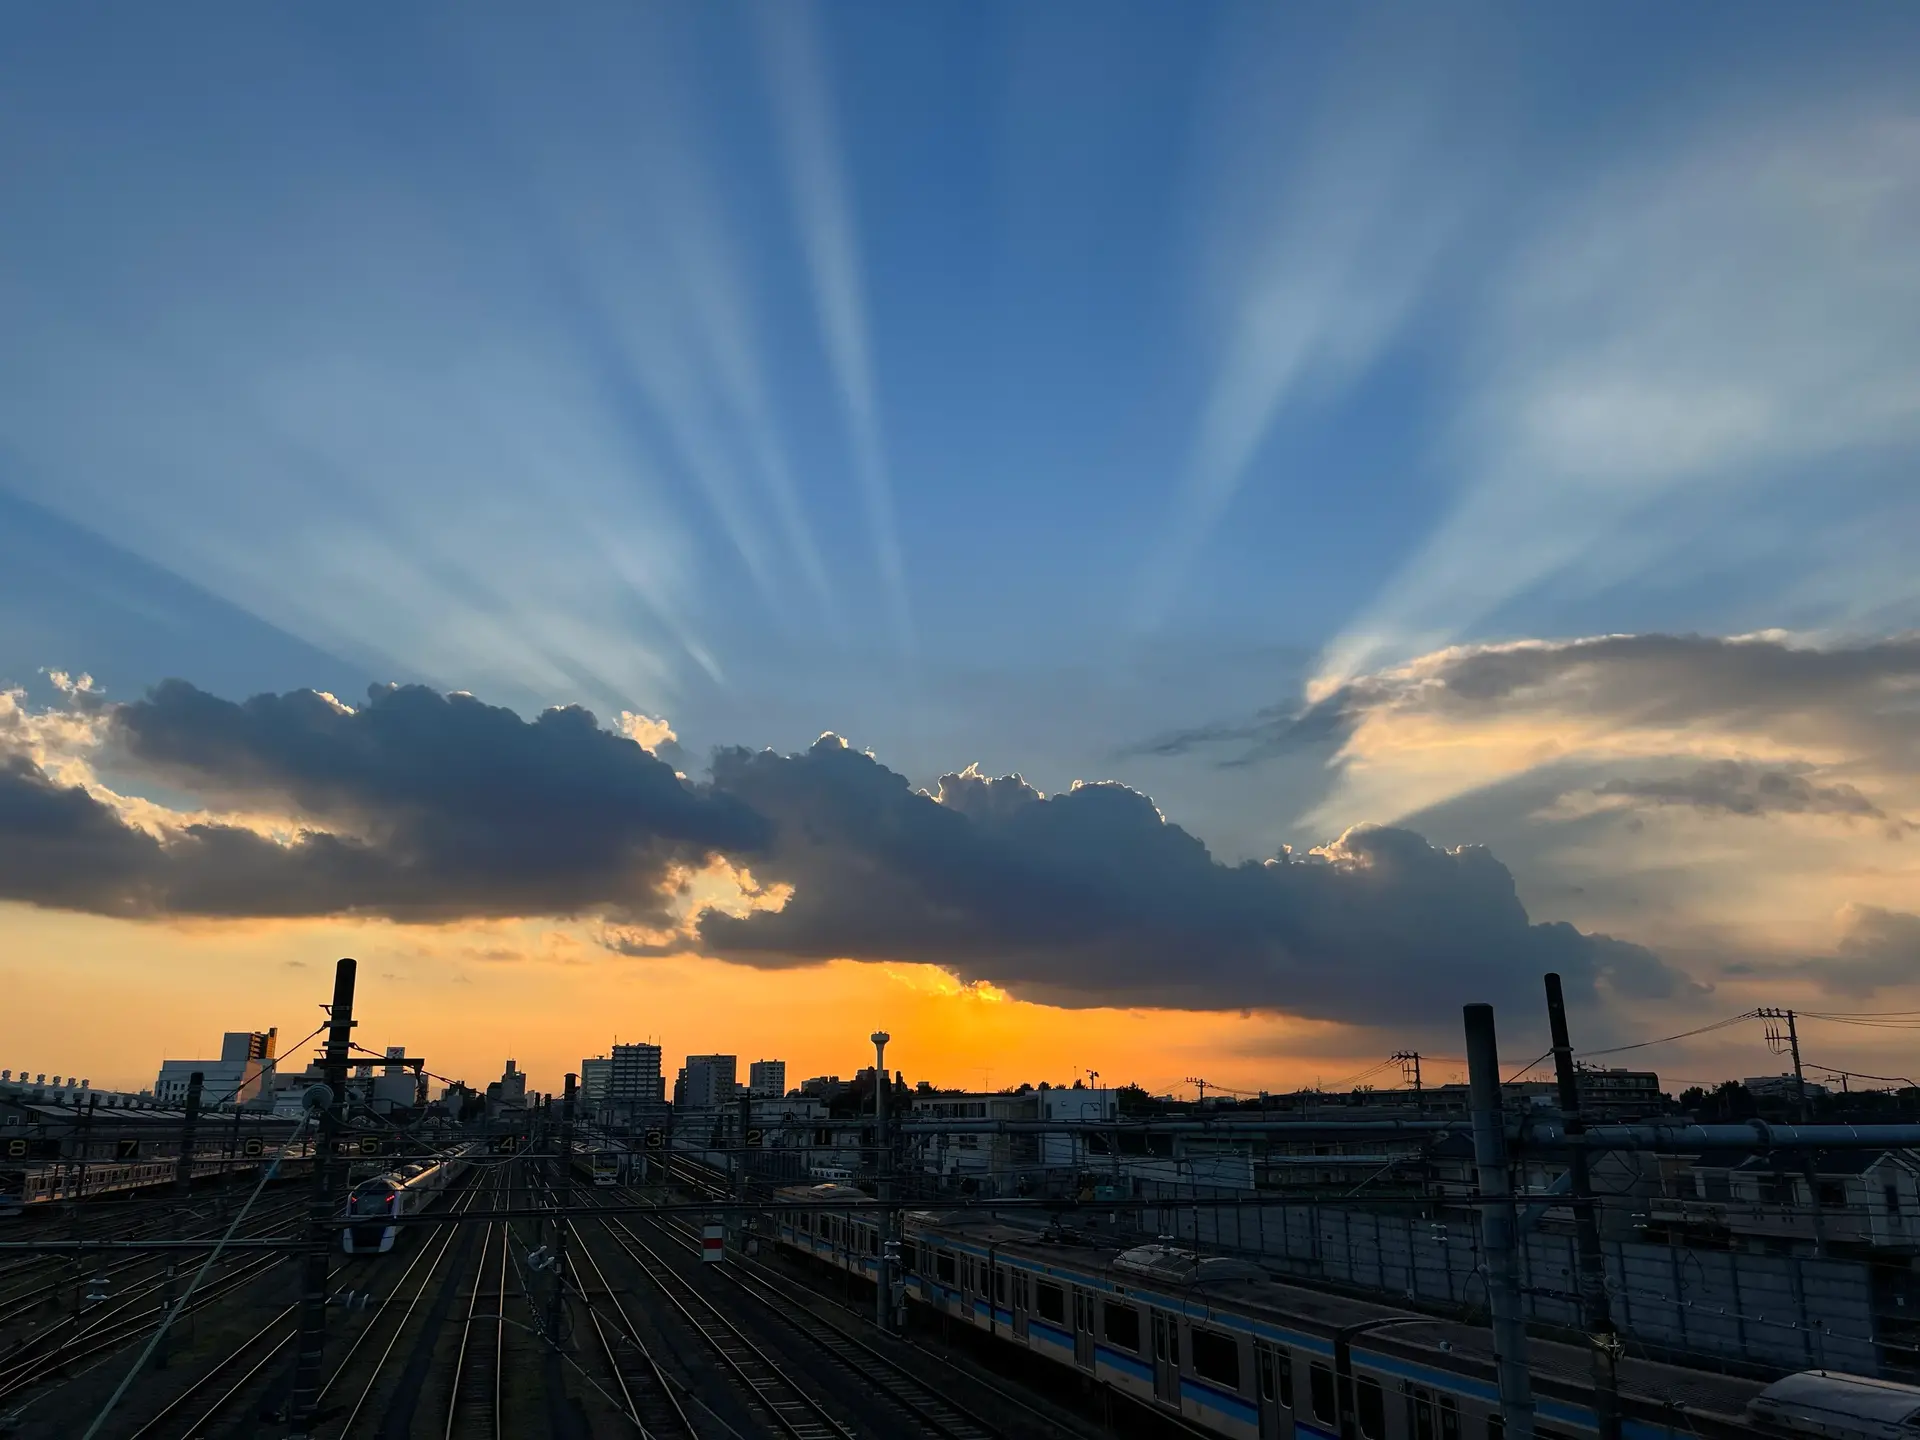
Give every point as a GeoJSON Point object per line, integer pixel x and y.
{"type": "Point", "coordinates": [1233, 1352]}
{"type": "Point", "coordinates": [374, 1204]}
{"type": "Point", "coordinates": [24, 1187]}
{"type": "Point", "coordinates": [1838, 1407]}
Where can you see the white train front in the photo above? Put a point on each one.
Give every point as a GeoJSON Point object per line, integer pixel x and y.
{"type": "Point", "coordinates": [375, 1204]}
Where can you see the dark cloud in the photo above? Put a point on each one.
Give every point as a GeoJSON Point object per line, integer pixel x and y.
{"type": "Point", "coordinates": [1091, 898]}
{"type": "Point", "coordinates": [416, 806]}
{"type": "Point", "coordinates": [426, 807]}
{"type": "Point", "coordinates": [1867, 693]}
{"type": "Point", "coordinates": [1733, 787]}
{"type": "Point", "coordinates": [1879, 950]}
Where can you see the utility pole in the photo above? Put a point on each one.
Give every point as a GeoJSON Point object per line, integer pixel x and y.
{"type": "Point", "coordinates": [739, 1222]}
{"type": "Point", "coordinates": [1802, 1113]}
{"type": "Point", "coordinates": [1497, 1229]}
{"type": "Point", "coordinates": [1200, 1085]}
{"type": "Point", "coordinates": [883, 1172]}
{"type": "Point", "coordinates": [182, 1193]}
{"type": "Point", "coordinates": [311, 1352]}
{"type": "Point", "coordinates": [563, 1192]}
{"type": "Point", "coordinates": [1410, 1070]}
{"type": "Point", "coordinates": [1596, 1307]}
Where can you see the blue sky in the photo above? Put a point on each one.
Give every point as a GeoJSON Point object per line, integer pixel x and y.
{"type": "Point", "coordinates": [998, 383]}
{"type": "Point", "coordinates": [1499, 422]}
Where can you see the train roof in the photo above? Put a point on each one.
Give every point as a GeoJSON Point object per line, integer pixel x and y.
{"type": "Point", "coordinates": [1244, 1288]}
{"type": "Point", "coordinates": [1245, 1284]}
{"type": "Point", "coordinates": [1887, 1401]}
{"type": "Point", "coordinates": [828, 1190]}
{"type": "Point", "coordinates": [1649, 1380]}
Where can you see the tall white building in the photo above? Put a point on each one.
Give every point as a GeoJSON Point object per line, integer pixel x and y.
{"type": "Point", "coordinates": [633, 1076]}
{"type": "Point", "coordinates": [706, 1082]}
{"type": "Point", "coordinates": [596, 1073]}
{"type": "Point", "coordinates": [767, 1078]}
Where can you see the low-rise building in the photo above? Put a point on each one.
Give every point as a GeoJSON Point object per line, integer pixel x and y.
{"type": "Point", "coordinates": [239, 1076]}
{"type": "Point", "coordinates": [1859, 1202]}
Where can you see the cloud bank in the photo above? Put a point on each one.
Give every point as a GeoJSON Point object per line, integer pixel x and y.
{"type": "Point", "coordinates": [424, 807]}
{"type": "Point", "coordinates": [416, 806]}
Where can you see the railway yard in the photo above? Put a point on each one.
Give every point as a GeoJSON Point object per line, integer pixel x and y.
{"type": "Point", "coordinates": [447, 1334]}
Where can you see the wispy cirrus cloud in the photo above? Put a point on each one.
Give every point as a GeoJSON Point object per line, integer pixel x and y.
{"type": "Point", "coordinates": [796, 74]}
{"type": "Point", "coordinates": [1322, 232]}
{"type": "Point", "coordinates": [1692, 341]}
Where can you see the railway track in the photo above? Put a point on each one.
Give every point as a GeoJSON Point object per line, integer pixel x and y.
{"type": "Point", "coordinates": [932, 1411]}
{"type": "Point", "coordinates": [128, 1317]}
{"type": "Point", "coordinates": [367, 1372]}
{"type": "Point", "coordinates": [222, 1391]}
{"type": "Point", "coordinates": [903, 1379]}
{"type": "Point", "coordinates": [37, 1280]}
{"type": "Point", "coordinates": [786, 1407]}
{"type": "Point", "coordinates": [474, 1393]}
{"type": "Point", "coordinates": [648, 1394]}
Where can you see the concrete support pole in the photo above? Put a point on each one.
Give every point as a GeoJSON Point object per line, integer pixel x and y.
{"type": "Point", "coordinates": [311, 1352]}
{"type": "Point", "coordinates": [1497, 1230]}
{"type": "Point", "coordinates": [182, 1192]}
{"type": "Point", "coordinates": [883, 1172]}
{"type": "Point", "coordinates": [740, 1168]}
{"type": "Point", "coordinates": [1596, 1307]}
{"type": "Point", "coordinates": [563, 1195]}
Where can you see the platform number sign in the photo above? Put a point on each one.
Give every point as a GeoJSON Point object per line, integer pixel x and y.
{"type": "Point", "coordinates": [253, 1146]}
{"type": "Point", "coordinates": [126, 1149]}
{"type": "Point", "coordinates": [756, 1138]}
{"type": "Point", "coordinates": [505, 1144]}
{"type": "Point", "coordinates": [656, 1139]}
{"type": "Point", "coordinates": [371, 1145]}
{"type": "Point", "coordinates": [16, 1147]}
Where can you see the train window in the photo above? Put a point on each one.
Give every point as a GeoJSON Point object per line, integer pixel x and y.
{"type": "Point", "coordinates": [1050, 1301]}
{"type": "Point", "coordinates": [1000, 1287]}
{"type": "Point", "coordinates": [805, 1222]}
{"type": "Point", "coordinates": [1496, 1427]}
{"type": "Point", "coordinates": [943, 1266]}
{"type": "Point", "coordinates": [1216, 1357]}
{"type": "Point", "coordinates": [1420, 1410]}
{"type": "Point", "coordinates": [1276, 1374]}
{"type": "Point", "coordinates": [1326, 1406]}
{"type": "Point", "coordinates": [1370, 1408]}
{"type": "Point", "coordinates": [1449, 1419]}
{"type": "Point", "coordinates": [1122, 1323]}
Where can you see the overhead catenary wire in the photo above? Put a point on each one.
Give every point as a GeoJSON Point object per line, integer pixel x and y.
{"type": "Point", "coordinates": [166, 1321]}
{"type": "Point", "coordinates": [1669, 1039]}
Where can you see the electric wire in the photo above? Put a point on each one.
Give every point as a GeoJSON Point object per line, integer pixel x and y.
{"type": "Point", "coordinates": [267, 1172]}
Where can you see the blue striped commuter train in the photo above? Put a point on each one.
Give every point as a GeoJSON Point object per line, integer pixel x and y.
{"type": "Point", "coordinates": [1233, 1352]}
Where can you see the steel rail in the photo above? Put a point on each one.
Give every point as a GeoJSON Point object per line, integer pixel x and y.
{"type": "Point", "coordinates": [379, 1365]}
{"type": "Point", "coordinates": [939, 1414]}
{"type": "Point", "coordinates": [793, 1410]}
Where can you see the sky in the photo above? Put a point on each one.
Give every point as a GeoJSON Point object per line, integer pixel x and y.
{"type": "Point", "coordinates": [590, 514]}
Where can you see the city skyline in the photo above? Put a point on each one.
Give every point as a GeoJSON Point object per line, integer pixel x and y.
{"type": "Point", "coordinates": [1191, 543]}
